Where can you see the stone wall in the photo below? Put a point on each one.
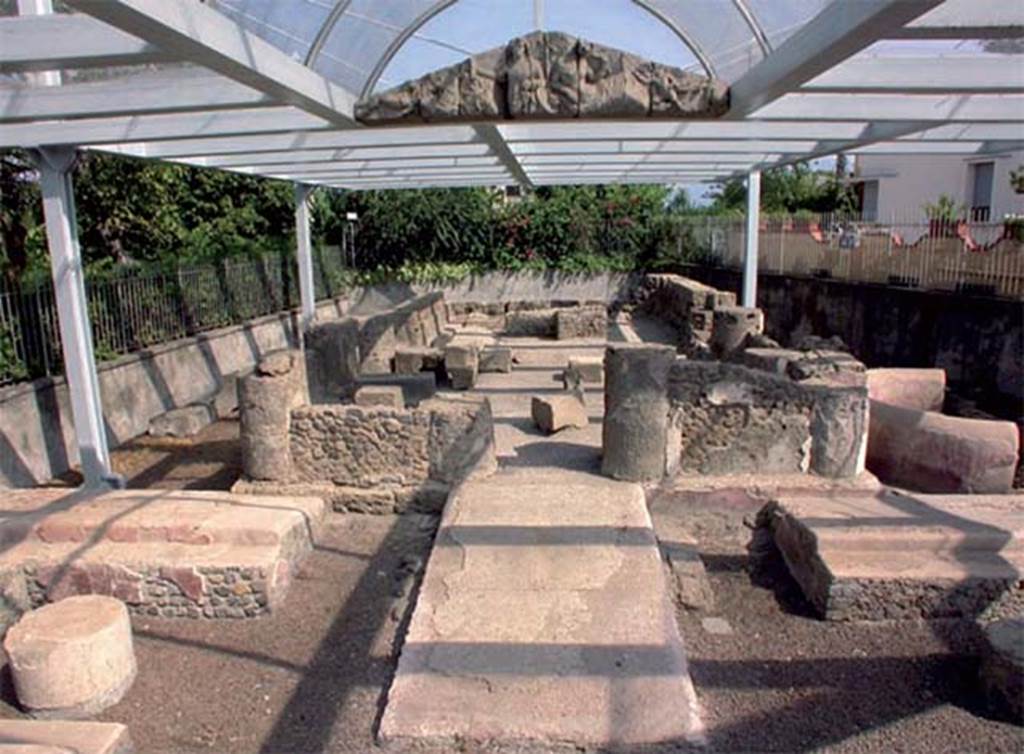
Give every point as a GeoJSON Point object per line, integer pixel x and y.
{"type": "Point", "coordinates": [691, 307]}
{"type": "Point", "coordinates": [977, 340]}
{"type": "Point", "coordinates": [338, 352]}
{"type": "Point", "coordinates": [728, 419]}
{"type": "Point", "coordinates": [360, 458]}
{"type": "Point", "coordinates": [37, 439]}
{"type": "Point", "coordinates": [186, 592]}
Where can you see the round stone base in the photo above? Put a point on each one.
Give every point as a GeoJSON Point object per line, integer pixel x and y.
{"type": "Point", "coordinates": [72, 659]}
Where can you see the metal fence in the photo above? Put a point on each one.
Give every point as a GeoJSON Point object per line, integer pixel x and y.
{"type": "Point", "coordinates": [137, 309]}
{"type": "Point", "coordinates": [984, 258]}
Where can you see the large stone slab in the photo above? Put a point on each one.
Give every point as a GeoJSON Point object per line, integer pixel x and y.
{"type": "Point", "coordinates": [544, 615]}
{"type": "Point", "coordinates": [932, 452]}
{"type": "Point", "coordinates": [62, 736]}
{"type": "Point", "coordinates": [167, 553]}
{"type": "Point", "coordinates": [891, 555]}
{"type": "Point", "coordinates": [1002, 667]}
{"type": "Point", "coordinates": [920, 389]}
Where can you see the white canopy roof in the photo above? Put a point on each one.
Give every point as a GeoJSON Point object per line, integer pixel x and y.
{"type": "Point", "coordinates": [268, 87]}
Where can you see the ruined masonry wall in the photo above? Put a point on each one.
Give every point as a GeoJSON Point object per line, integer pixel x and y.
{"type": "Point", "coordinates": [727, 419]}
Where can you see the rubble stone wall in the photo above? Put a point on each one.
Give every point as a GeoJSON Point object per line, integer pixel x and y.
{"type": "Point", "coordinates": [685, 304]}
{"type": "Point", "coordinates": [726, 419]}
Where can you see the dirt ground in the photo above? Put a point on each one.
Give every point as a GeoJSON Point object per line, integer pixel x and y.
{"type": "Point", "coordinates": [313, 677]}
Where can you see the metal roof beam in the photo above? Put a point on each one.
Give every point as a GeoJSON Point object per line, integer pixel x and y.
{"type": "Point", "coordinates": [938, 109]}
{"type": "Point", "coordinates": [194, 32]}
{"type": "Point", "coordinates": [492, 136]}
{"type": "Point", "coordinates": [62, 40]}
{"type": "Point", "coordinates": [954, 74]}
{"type": "Point", "coordinates": [839, 31]}
{"type": "Point", "coordinates": [135, 95]}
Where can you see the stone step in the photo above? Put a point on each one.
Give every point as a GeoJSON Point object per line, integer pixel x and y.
{"type": "Point", "coordinates": [56, 516]}
{"type": "Point", "coordinates": [62, 736]}
{"type": "Point", "coordinates": [174, 554]}
{"type": "Point", "coordinates": [899, 555]}
{"type": "Point", "coordinates": [544, 615]}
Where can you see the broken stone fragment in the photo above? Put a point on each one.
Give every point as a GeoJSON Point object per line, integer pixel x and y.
{"type": "Point", "coordinates": [548, 75]}
{"type": "Point", "coordinates": [585, 369]}
{"type": "Point", "coordinates": [388, 396]}
{"type": "Point", "coordinates": [496, 359]}
{"type": "Point", "coordinates": [552, 413]}
{"type": "Point", "coordinates": [462, 363]}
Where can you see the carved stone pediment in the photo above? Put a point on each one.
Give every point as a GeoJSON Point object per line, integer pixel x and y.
{"type": "Point", "coordinates": [544, 76]}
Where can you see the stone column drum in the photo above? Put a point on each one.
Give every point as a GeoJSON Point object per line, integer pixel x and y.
{"type": "Point", "coordinates": [266, 399]}
{"type": "Point", "coordinates": [732, 325]}
{"type": "Point", "coordinates": [636, 411]}
{"type": "Point", "coordinates": [72, 659]}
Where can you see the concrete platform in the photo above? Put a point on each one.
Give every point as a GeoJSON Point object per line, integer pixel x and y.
{"type": "Point", "coordinates": [60, 737]}
{"type": "Point", "coordinates": [894, 555]}
{"type": "Point", "coordinates": [169, 553]}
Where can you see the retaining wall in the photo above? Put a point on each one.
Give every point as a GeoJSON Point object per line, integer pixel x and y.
{"type": "Point", "coordinates": [978, 340]}
{"type": "Point", "coordinates": [37, 440]}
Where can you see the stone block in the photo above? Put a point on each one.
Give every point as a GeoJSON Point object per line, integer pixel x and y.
{"type": "Point", "coordinates": [920, 389]}
{"type": "Point", "coordinates": [496, 359]}
{"type": "Point", "coordinates": [63, 737]}
{"type": "Point", "coordinates": [416, 388]}
{"type": "Point", "coordinates": [186, 421]}
{"type": "Point", "coordinates": [1002, 668]}
{"type": "Point", "coordinates": [931, 452]}
{"type": "Point", "coordinates": [732, 325]}
{"type": "Point", "coordinates": [462, 363]}
{"type": "Point", "coordinates": [388, 396]}
{"type": "Point", "coordinates": [332, 359]}
{"type": "Point", "coordinates": [552, 413]}
{"type": "Point", "coordinates": [225, 401]}
{"type": "Point", "coordinates": [530, 323]}
{"type": "Point", "coordinates": [901, 556]}
{"type": "Point", "coordinates": [73, 658]}
{"type": "Point", "coordinates": [581, 322]}
{"type": "Point", "coordinates": [416, 359]}
{"type": "Point", "coordinates": [586, 369]}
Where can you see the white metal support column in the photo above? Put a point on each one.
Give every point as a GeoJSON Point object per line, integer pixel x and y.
{"type": "Point", "coordinates": [55, 165]}
{"type": "Point", "coordinates": [304, 252]}
{"type": "Point", "coordinates": [753, 225]}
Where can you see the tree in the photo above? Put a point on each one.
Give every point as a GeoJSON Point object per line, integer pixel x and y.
{"type": "Point", "coordinates": [19, 211]}
{"type": "Point", "coordinates": [788, 189]}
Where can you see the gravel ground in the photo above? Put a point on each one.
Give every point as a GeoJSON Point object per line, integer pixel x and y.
{"type": "Point", "coordinates": [314, 676]}
{"type": "Point", "coordinates": [785, 681]}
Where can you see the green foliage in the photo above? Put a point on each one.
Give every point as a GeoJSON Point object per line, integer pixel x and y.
{"type": "Point", "coordinates": [1017, 179]}
{"type": "Point", "coordinates": [944, 209]}
{"type": "Point", "coordinates": [788, 190]}
{"type": "Point", "coordinates": [19, 212]}
{"type": "Point", "coordinates": [12, 369]}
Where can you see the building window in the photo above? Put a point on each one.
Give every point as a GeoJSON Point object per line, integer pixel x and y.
{"type": "Point", "coordinates": [982, 174]}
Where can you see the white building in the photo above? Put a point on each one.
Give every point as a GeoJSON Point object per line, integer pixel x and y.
{"type": "Point", "coordinates": [897, 187]}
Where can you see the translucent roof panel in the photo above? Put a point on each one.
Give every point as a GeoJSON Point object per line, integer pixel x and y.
{"type": "Point", "coordinates": [291, 25]}
{"type": "Point", "coordinates": [469, 27]}
{"type": "Point", "coordinates": [371, 44]}
{"type": "Point", "coordinates": [780, 20]}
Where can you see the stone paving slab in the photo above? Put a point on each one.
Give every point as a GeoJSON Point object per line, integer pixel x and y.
{"type": "Point", "coordinates": [900, 555]}
{"type": "Point", "coordinates": [544, 615]}
{"type": "Point", "coordinates": [64, 736]}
